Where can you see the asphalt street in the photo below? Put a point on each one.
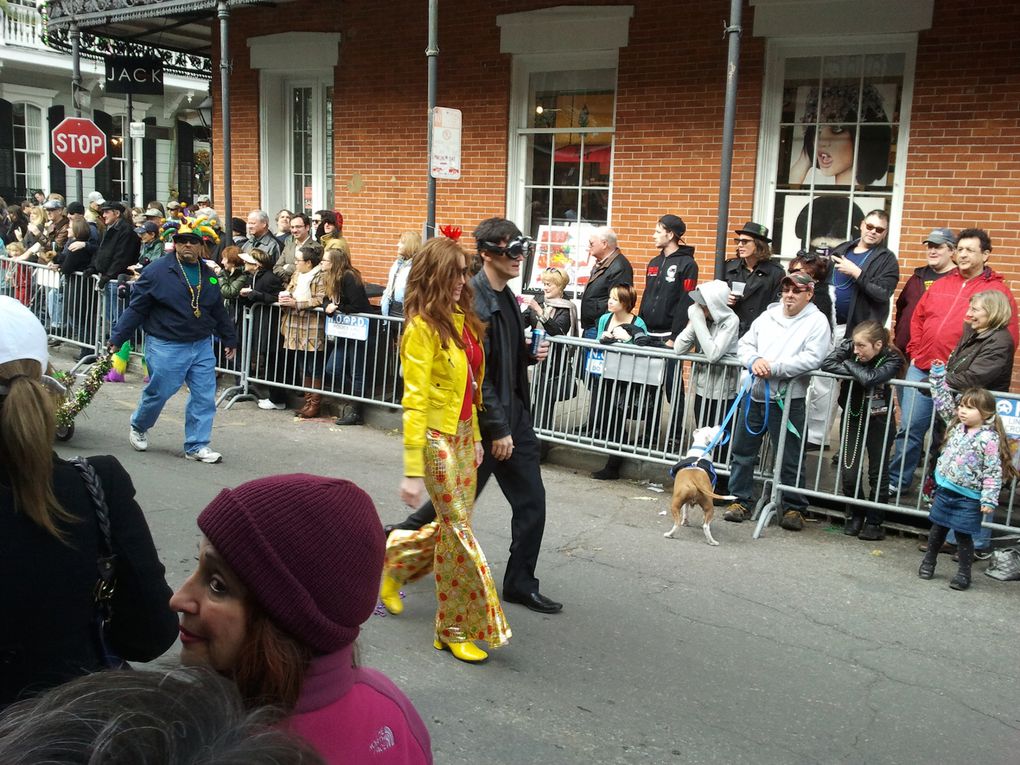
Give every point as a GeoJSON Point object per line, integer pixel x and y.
{"type": "Point", "coordinates": [796, 648]}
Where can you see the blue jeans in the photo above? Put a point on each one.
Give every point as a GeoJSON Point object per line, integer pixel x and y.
{"type": "Point", "coordinates": [982, 540]}
{"type": "Point", "coordinates": [915, 419]}
{"type": "Point", "coordinates": [347, 361]}
{"type": "Point", "coordinates": [55, 305]}
{"type": "Point", "coordinates": [171, 364]}
{"type": "Point", "coordinates": [746, 448]}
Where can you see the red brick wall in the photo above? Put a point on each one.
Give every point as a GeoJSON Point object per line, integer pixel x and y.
{"type": "Point", "coordinates": [963, 165]}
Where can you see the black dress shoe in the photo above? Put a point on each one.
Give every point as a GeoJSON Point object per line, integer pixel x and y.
{"type": "Point", "coordinates": [536, 601]}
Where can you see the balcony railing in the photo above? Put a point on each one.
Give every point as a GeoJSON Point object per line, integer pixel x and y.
{"type": "Point", "coordinates": [22, 25]}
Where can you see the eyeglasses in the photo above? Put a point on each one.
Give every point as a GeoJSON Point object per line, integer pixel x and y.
{"type": "Point", "coordinates": [876, 229]}
{"type": "Point", "coordinates": [316, 220]}
{"type": "Point", "coordinates": [795, 270]}
{"type": "Point", "coordinates": [742, 242]}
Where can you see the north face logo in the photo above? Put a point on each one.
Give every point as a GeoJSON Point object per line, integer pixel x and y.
{"type": "Point", "coordinates": [383, 740]}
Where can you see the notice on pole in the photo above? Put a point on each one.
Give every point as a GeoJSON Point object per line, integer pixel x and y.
{"type": "Point", "coordinates": [136, 129]}
{"type": "Point", "coordinates": [445, 155]}
{"type": "Point", "coordinates": [1009, 411]}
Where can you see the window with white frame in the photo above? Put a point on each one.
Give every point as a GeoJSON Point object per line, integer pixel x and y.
{"type": "Point", "coordinates": [29, 148]}
{"type": "Point", "coordinates": [834, 129]}
{"type": "Point", "coordinates": [564, 141]}
{"type": "Point", "coordinates": [118, 158]}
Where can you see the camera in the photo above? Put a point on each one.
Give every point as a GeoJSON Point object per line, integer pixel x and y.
{"type": "Point", "coordinates": [123, 288]}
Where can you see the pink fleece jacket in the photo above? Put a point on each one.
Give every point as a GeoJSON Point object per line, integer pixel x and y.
{"type": "Point", "coordinates": [357, 715]}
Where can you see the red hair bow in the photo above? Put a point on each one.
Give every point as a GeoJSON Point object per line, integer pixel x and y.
{"type": "Point", "coordinates": [339, 220]}
{"type": "Point", "coordinates": [450, 232]}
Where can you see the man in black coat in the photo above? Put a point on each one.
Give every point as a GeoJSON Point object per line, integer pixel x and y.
{"type": "Point", "coordinates": [865, 275]}
{"type": "Point", "coordinates": [508, 437]}
{"type": "Point", "coordinates": [611, 268]}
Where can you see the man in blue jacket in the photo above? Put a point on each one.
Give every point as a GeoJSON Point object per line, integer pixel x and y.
{"type": "Point", "coordinates": [177, 302]}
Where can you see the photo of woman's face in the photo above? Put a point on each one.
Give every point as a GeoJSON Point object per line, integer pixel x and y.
{"type": "Point", "coordinates": [834, 152]}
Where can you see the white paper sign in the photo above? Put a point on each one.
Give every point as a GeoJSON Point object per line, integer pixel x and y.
{"type": "Point", "coordinates": [445, 161]}
{"type": "Point", "coordinates": [347, 326]}
{"type": "Point", "coordinates": [136, 129]}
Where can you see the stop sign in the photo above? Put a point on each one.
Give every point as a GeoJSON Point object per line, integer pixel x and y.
{"type": "Point", "coordinates": [79, 143]}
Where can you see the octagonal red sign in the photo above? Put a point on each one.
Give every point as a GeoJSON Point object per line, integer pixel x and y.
{"type": "Point", "coordinates": [79, 143]}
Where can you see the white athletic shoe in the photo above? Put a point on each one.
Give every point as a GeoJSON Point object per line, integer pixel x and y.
{"type": "Point", "coordinates": [265, 403]}
{"type": "Point", "coordinates": [205, 454]}
{"type": "Point", "coordinates": [138, 440]}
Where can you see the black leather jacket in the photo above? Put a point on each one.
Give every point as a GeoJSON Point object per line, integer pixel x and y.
{"type": "Point", "coordinates": [505, 390]}
{"type": "Point", "coordinates": [871, 377]}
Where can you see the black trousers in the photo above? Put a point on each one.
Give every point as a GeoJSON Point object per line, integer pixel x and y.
{"type": "Point", "coordinates": [857, 444]}
{"type": "Point", "coordinates": [520, 480]}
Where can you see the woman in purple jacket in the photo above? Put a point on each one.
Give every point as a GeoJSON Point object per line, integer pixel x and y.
{"type": "Point", "coordinates": [288, 570]}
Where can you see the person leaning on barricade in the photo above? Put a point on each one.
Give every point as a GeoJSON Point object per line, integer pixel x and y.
{"type": "Point", "coordinates": [785, 343]}
{"type": "Point", "coordinates": [177, 300]}
{"type": "Point", "coordinates": [259, 297]}
{"type": "Point", "coordinates": [302, 326]}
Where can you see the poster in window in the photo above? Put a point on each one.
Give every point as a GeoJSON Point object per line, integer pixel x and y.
{"type": "Point", "coordinates": [829, 128]}
{"type": "Point", "coordinates": [562, 246]}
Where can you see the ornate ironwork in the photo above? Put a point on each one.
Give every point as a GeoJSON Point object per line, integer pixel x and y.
{"type": "Point", "coordinates": [90, 13]}
{"type": "Point", "coordinates": [98, 48]}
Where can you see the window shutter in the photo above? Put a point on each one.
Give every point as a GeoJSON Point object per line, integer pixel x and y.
{"type": "Point", "coordinates": [58, 173]}
{"type": "Point", "coordinates": [102, 172]}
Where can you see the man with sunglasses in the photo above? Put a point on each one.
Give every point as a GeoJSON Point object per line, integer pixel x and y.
{"type": "Point", "coordinates": [177, 301]}
{"type": "Point", "coordinates": [508, 437]}
{"type": "Point", "coordinates": [865, 275]}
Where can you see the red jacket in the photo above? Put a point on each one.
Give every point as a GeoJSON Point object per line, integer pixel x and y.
{"type": "Point", "coordinates": [937, 323]}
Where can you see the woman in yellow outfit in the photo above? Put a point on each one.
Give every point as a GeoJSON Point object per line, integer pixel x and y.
{"type": "Point", "coordinates": [443, 363]}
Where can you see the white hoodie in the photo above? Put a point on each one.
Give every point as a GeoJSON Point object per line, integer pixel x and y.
{"type": "Point", "coordinates": [794, 346]}
{"type": "Point", "coordinates": [717, 341]}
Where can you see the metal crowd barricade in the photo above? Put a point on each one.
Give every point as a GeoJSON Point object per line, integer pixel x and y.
{"type": "Point", "coordinates": [289, 349]}
{"type": "Point", "coordinates": [823, 472]}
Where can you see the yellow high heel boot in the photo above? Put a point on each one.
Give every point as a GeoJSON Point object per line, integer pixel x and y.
{"type": "Point", "coordinates": [466, 651]}
{"type": "Point", "coordinates": [389, 594]}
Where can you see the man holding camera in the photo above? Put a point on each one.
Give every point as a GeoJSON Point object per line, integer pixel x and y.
{"type": "Point", "coordinates": [508, 437]}
{"type": "Point", "coordinates": [177, 300]}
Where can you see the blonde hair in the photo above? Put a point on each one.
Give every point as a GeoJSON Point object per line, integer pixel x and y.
{"type": "Point", "coordinates": [27, 426]}
{"type": "Point", "coordinates": [996, 305]}
{"type": "Point", "coordinates": [409, 243]}
{"type": "Point", "coordinates": [557, 277]}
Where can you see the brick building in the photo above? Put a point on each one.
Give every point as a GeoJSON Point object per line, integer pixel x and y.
{"type": "Point", "coordinates": [577, 114]}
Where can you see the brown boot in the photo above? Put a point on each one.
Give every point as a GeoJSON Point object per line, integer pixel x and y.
{"type": "Point", "coordinates": [312, 400]}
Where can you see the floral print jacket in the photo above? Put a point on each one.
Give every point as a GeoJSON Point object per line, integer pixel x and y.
{"type": "Point", "coordinates": [969, 460]}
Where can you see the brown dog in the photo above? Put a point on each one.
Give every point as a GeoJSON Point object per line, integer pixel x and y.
{"type": "Point", "coordinates": [692, 486]}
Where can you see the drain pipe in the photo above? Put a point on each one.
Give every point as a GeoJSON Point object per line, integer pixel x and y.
{"type": "Point", "coordinates": [733, 32]}
{"type": "Point", "coordinates": [432, 54]}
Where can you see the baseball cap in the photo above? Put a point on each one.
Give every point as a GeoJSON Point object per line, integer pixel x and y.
{"type": "Point", "coordinates": [152, 212]}
{"type": "Point", "coordinates": [149, 227]}
{"type": "Point", "coordinates": [112, 206]}
{"type": "Point", "coordinates": [75, 208]}
{"type": "Point", "coordinates": [96, 198]}
{"type": "Point", "coordinates": [800, 282]}
{"type": "Point", "coordinates": [203, 199]}
{"type": "Point", "coordinates": [937, 236]}
{"type": "Point", "coordinates": [21, 334]}
{"type": "Point", "coordinates": [174, 205]}
{"type": "Point", "coordinates": [674, 224]}
{"type": "Point", "coordinates": [53, 204]}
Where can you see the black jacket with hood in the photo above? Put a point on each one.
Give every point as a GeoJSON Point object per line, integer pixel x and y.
{"type": "Point", "coordinates": [669, 280]}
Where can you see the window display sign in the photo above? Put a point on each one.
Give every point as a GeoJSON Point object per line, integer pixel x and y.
{"type": "Point", "coordinates": [563, 247]}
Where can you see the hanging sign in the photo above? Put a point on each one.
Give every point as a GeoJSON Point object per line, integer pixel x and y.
{"type": "Point", "coordinates": [445, 156]}
{"type": "Point", "coordinates": [134, 75]}
{"type": "Point", "coordinates": [347, 325]}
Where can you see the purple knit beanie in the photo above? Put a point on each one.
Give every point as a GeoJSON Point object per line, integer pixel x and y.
{"type": "Point", "coordinates": [308, 548]}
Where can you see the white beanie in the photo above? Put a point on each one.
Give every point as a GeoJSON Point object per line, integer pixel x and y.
{"type": "Point", "coordinates": [21, 334]}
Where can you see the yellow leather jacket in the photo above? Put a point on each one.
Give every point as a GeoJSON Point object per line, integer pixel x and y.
{"type": "Point", "coordinates": [434, 382]}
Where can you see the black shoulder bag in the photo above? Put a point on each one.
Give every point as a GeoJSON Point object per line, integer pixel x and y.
{"type": "Point", "coordinates": [106, 562]}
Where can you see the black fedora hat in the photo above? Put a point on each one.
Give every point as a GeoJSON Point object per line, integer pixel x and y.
{"type": "Point", "coordinates": [755, 230]}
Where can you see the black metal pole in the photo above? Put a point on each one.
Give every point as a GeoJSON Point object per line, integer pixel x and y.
{"type": "Point", "coordinates": [75, 35]}
{"type": "Point", "coordinates": [733, 32]}
{"type": "Point", "coordinates": [432, 54]}
{"type": "Point", "coordinates": [223, 13]}
{"type": "Point", "coordinates": [129, 155]}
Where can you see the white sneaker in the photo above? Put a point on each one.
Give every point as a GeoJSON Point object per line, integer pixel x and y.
{"type": "Point", "coordinates": [138, 440]}
{"type": "Point", "coordinates": [205, 454]}
{"type": "Point", "coordinates": [265, 403]}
